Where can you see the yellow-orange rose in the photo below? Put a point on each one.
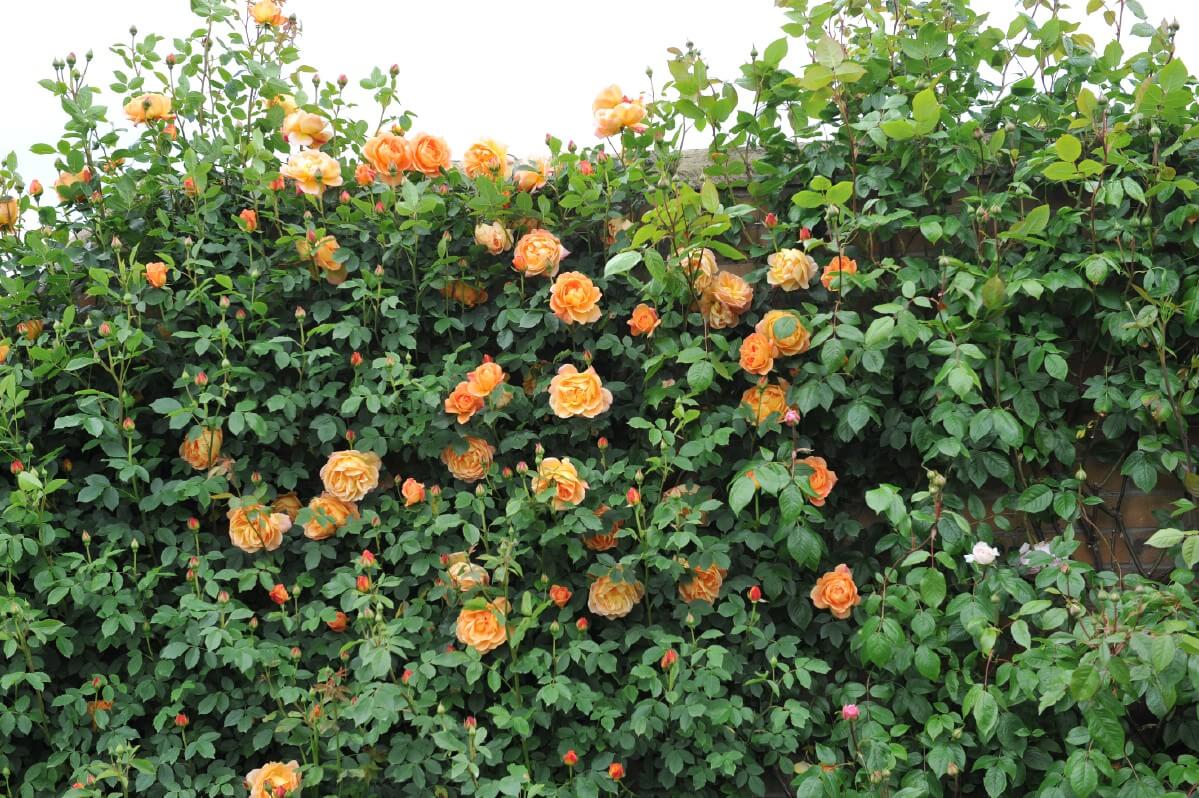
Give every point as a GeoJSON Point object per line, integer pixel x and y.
{"type": "Point", "coordinates": [472, 464]}
{"type": "Point", "coordinates": [614, 227]}
{"type": "Point", "coordinates": [719, 315]}
{"type": "Point", "coordinates": [762, 400]}
{"type": "Point", "coordinates": [790, 269]}
{"type": "Point", "coordinates": [575, 299]}
{"type": "Point", "coordinates": [5, 348]}
{"type": "Point", "coordinates": [289, 504]}
{"type": "Point", "coordinates": [390, 156]}
{"type": "Point", "coordinates": [532, 176]}
{"type": "Point", "coordinates": [464, 293]}
{"type": "Point", "coordinates": [732, 291]}
{"type": "Point", "coordinates": [202, 447]}
{"type": "Point", "coordinates": [350, 475]}
{"type": "Point", "coordinates": [68, 179]}
{"type": "Point", "coordinates": [31, 329]}
{"type": "Point", "coordinates": [821, 480]}
{"type": "Point", "coordinates": [487, 157]}
{"type": "Point", "coordinates": [468, 575]}
{"type": "Point", "coordinates": [430, 154]}
{"type": "Point", "coordinates": [578, 393]}
{"type": "Point", "coordinates": [486, 629]}
{"type": "Point", "coordinates": [563, 477]}
{"type": "Point", "coordinates": [307, 129]}
{"type": "Point", "coordinates": [538, 252]}
{"type": "Point", "coordinates": [329, 514]}
{"type": "Point", "coordinates": [268, 780]}
{"type": "Point", "coordinates": [147, 108]}
{"type": "Point", "coordinates": [494, 236]}
{"type": "Point", "coordinates": [10, 211]}
{"type": "Point", "coordinates": [413, 492]}
{"type": "Point", "coordinates": [266, 12]}
{"type": "Point", "coordinates": [836, 592]}
{"type": "Point", "coordinates": [313, 171]}
{"type": "Point", "coordinates": [612, 599]}
{"type": "Point", "coordinates": [253, 528]}
{"type": "Point", "coordinates": [323, 255]}
{"type": "Point", "coordinates": [284, 101]}
{"type": "Point", "coordinates": [463, 403]}
{"type": "Point", "coordinates": [786, 343]}
{"type": "Point", "coordinates": [644, 320]}
{"type": "Point", "coordinates": [704, 585]}
{"type": "Point", "coordinates": [156, 273]}
{"type": "Point", "coordinates": [614, 112]}
{"type": "Point", "coordinates": [486, 378]}
{"type": "Point", "coordinates": [602, 541]}
{"type": "Point", "coordinates": [757, 354]}
{"type": "Point", "coordinates": [701, 269]}
{"type": "Point", "coordinates": [831, 279]}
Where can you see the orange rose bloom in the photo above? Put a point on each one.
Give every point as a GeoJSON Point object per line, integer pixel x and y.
{"type": "Point", "coordinates": [718, 315]}
{"type": "Point", "coordinates": [793, 343]}
{"type": "Point", "coordinates": [486, 629]}
{"type": "Point", "coordinates": [464, 293]}
{"type": "Point", "coordinates": [266, 781]}
{"type": "Point", "coordinates": [704, 585]}
{"type": "Point", "coordinates": [266, 12]}
{"type": "Point", "coordinates": [31, 329]}
{"type": "Point", "coordinates": [701, 269]}
{"type": "Point", "coordinates": [532, 176]}
{"type": "Point", "coordinates": [578, 393]}
{"type": "Point", "coordinates": [462, 403]}
{"type": "Point", "coordinates": [313, 171]}
{"type": "Point", "coordinates": [644, 320]}
{"type": "Point", "coordinates": [602, 541]}
{"type": "Point", "coordinates": [288, 504]}
{"type": "Point", "coordinates": [413, 492]}
{"type": "Point", "coordinates": [486, 378]}
{"type": "Point", "coordinates": [147, 108]}
{"type": "Point", "coordinates": [560, 595]}
{"type": "Point", "coordinates": [757, 354]}
{"type": "Point", "coordinates": [5, 348]}
{"type": "Point", "coordinates": [350, 475]}
{"type": "Point", "coordinates": [821, 480]}
{"type": "Point", "coordinates": [831, 279]}
{"type": "Point", "coordinates": [390, 156]}
{"type": "Point", "coordinates": [762, 400]}
{"type": "Point", "coordinates": [67, 179]}
{"type": "Point", "coordinates": [612, 599]}
{"type": "Point", "coordinates": [563, 477]}
{"type": "Point", "coordinates": [494, 236]}
{"type": "Point", "coordinates": [249, 220]}
{"type": "Point", "coordinates": [430, 154]}
{"type": "Point", "coordinates": [323, 255]}
{"type": "Point", "coordinates": [487, 157]}
{"type": "Point", "coordinates": [156, 273]}
{"type": "Point", "coordinates": [538, 252]}
{"type": "Point", "coordinates": [614, 112]}
{"type": "Point", "coordinates": [306, 129]}
{"type": "Point", "coordinates": [472, 464]}
{"type": "Point", "coordinates": [732, 291]}
{"type": "Point", "coordinates": [10, 212]}
{"type": "Point", "coordinates": [575, 299]}
{"type": "Point", "coordinates": [202, 447]}
{"type": "Point", "coordinates": [836, 592]}
{"type": "Point", "coordinates": [467, 575]}
{"type": "Point", "coordinates": [329, 514]}
{"type": "Point", "coordinates": [339, 622]}
{"type": "Point", "coordinates": [790, 269]}
{"type": "Point", "coordinates": [253, 528]}
{"type": "Point", "coordinates": [279, 594]}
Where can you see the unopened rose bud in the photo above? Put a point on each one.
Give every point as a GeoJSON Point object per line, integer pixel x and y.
{"type": "Point", "coordinates": [344, 197]}
{"type": "Point", "coordinates": [364, 583]}
{"type": "Point", "coordinates": [255, 477]}
{"type": "Point", "coordinates": [300, 312]}
{"type": "Point", "coordinates": [395, 70]}
{"type": "Point", "coordinates": [406, 676]}
{"type": "Point", "coordinates": [585, 168]}
{"type": "Point", "coordinates": [582, 624]}
{"type": "Point", "coordinates": [35, 188]}
{"type": "Point", "coordinates": [253, 622]}
{"type": "Point", "coordinates": [222, 597]}
{"type": "Point", "coordinates": [86, 537]}
{"type": "Point", "coordinates": [506, 472]}
{"type": "Point", "coordinates": [128, 424]}
{"type": "Point", "coordinates": [351, 436]}
{"type": "Point", "coordinates": [223, 301]}
{"type": "Point", "coordinates": [342, 80]}
{"type": "Point", "coordinates": [602, 443]}
{"type": "Point", "coordinates": [755, 594]}
{"type": "Point", "coordinates": [633, 497]}
{"type": "Point", "coordinates": [480, 491]}
{"type": "Point", "coordinates": [470, 723]}
{"type": "Point", "coordinates": [191, 575]}
{"type": "Point", "coordinates": [804, 234]}
{"type": "Point", "coordinates": [379, 207]}
{"type": "Point", "coordinates": [379, 270]}
{"type": "Point", "coordinates": [435, 490]}
{"type": "Point", "coordinates": [771, 221]}
{"type": "Point", "coordinates": [295, 652]}
{"type": "Point", "coordinates": [181, 721]}
{"type": "Point", "coordinates": [201, 379]}
{"type": "Point", "coordinates": [522, 467]}
{"type": "Point", "coordinates": [172, 59]}
{"type": "Point", "coordinates": [669, 659]}
{"type": "Point", "coordinates": [16, 466]}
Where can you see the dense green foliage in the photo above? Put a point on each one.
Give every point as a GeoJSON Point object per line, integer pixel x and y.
{"type": "Point", "coordinates": [1017, 204]}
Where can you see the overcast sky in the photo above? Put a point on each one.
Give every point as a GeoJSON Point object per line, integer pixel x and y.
{"type": "Point", "coordinates": [513, 70]}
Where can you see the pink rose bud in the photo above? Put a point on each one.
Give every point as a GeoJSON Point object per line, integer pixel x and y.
{"type": "Point", "coordinates": [804, 234]}
{"type": "Point", "coordinates": [849, 712]}
{"type": "Point", "coordinates": [300, 312]}
{"type": "Point", "coordinates": [344, 197]}
{"type": "Point", "coordinates": [771, 221]}
{"type": "Point", "coordinates": [791, 417]}
{"type": "Point", "coordinates": [201, 379]}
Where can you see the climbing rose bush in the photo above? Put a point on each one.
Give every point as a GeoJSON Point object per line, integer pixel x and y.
{"type": "Point", "coordinates": [340, 463]}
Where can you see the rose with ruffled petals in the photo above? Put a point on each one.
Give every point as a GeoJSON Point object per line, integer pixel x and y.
{"type": "Point", "coordinates": [790, 269]}
{"type": "Point", "coordinates": [575, 299]}
{"type": "Point", "coordinates": [486, 158]}
{"type": "Point", "coordinates": [329, 514]}
{"type": "Point", "coordinates": [430, 154]}
{"type": "Point", "coordinates": [614, 599]}
{"type": "Point", "coordinates": [561, 475]}
{"type": "Point", "coordinates": [274, 779]}
{"type": "Point", "coordinates": [202, 447]}
{"type": "Point", "coordinates": [732, 291]}
{"type": "Point", "coordinates": [462, 403]}
{"type": "Point", "coordinates": [307, 129]}
{"type": "Point", "coordinates": [837, 267]}
{"type": "Point", "coordinates": [467, 575]}
{"type": "Point", "coordinates": [704, 584]}
{"type": "Point", "coordinates": [266, 12]}
{"type": "Point", "coordinates": [614, 112]}
{"type": "Point", "coordinates": [389, 155]}
{"type": "Point", "coordinates": [762, 400]}
{"type": "Point", "coordinates": [539, 252]}
{"type": "Point", "coordinates": [785, 331]}
{"type": "Point", "coordinates": [413, 492]}
{"type": "Point", "coordinates": [147, 108]}
{"type": "Point", "coordinates": [253, 528]}
{"type": "Point", "coordinates": [821, 480]}
{"type": "Point", "coordinates": [494, 236]}
{"type": "Point", "coordinates": [836, 592]}
{"type": "Point", "coordinates": [644, 320]}
{"type": "Point", "coordinates": [313, 171]}
{"type": "Point", "coordinates": [485, 629]}
{"type": "Point", "coordinates": [350, 475]}
{"type": "Point", "coordinates": [485, 378]}
{"type": "Point", "coordinates": [578, 393]}
{"type": "Point", "coordinates": [757, 354]}
{"type": "Point", "coordinates": [472, 464]}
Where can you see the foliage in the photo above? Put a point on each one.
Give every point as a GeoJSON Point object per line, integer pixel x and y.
{"type": "Point", "coordinates": [1004, 290]}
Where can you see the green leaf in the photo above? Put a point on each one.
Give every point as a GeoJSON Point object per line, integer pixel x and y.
{"type": "Point", "coordinates": [1165, 538]}
{"type": "Point", "coordinates": [741, 493]}
{"type": "Point", "coordinates": [622, 262]}
{"type": "Point", "coordinates": [1036, 499]}
{"type": "Point", "coordinates": [1068, 148]}
{"type": "Point", "coordinates": [700, 376]}
{"type": "Point", "coordinates": [808, 199]}
{"type": "Point", "coordinates": [840, 193]}
{"type": "Point", "coordinates": [932, 587]}
{"type": "Point", "coordinates": [986, 713]}
{"type": "Point", "coordinates": [1082, 774]}
{"type": "Point", "coordinates": [898, 129]}
{"type": "Point", "coordinates": [828, 51]}
{"type": "Point", "coordinates": [708, 197]}
{"type": "Point", "coordinates": [926, 110]}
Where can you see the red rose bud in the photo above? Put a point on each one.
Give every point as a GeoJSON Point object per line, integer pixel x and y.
{"type": "Point", "coordinates": [356, 359]}
{"type": "Point", "coordinates": [240, 314]}
{"type": "Point", "coordinates": [633, 497]}
{"type": "Point", "coordinates": [522, 467]}
{"type": "Point", "coordinates": [279, 594]}
{"type": "Point", "coordinates": [295, 652]}
{"type": "Point", "coordinates": [570, 758]}
{"type": "Point", "coordinates": [189, 185]}
{"type": "Point", "coordinates": [378, 207]}
{"type": "Point", "coordinates": [351, 435]}
{"type": "Point", "coordinates": [338, 624]}
{"type": "Point", "coordinates": [585, 167]}
{"type": "Point", "coordinates": [849, 712]}
{"type": "Point", "coordinates": [193, 562]}
{"type": "Point", "coordinates": [201, 379]}
{"type": "Point", "coordinates": [105, 328]}
{"type": "Point", "coordinates": [193, 523]}
{"type": "Point", "coordinates": [669, 658]}
{"type": "Point", "coordinates": [368, 558]}
{"type": "Point", "coordinates": [449, 649]}
{"type": "Point", "coordinates": [342, 80]}
{"type": "Point", "coordinates": [470, 722]}
{"type": "Point", "coordinates": [506, 472]}
{"type": "Point", "coordinates": [804, 234]}
{"type": "Point", "coordinates": [278, 184]}
{"type": "Point", "coordinates": [771, 221]}
{"type": "Point", "coordinates": [181, 721]}
{"type": "Point", "coordinates": [190, 575]}
{"type": "Point", "coordinates": [602, 443]}
{"type": "Point", "coordinates": [395, 70]}
{"type": "Point", "coordinates": [616, 771]}
{"type": "Point", "coordinates": [755, 594]}
{"type": "Point", "coordinates": [364, 583]}
{"type": "Point", "coordinates": [127, 424]}
{"type": "Point", "coordinates": [406, 676]}
{"type": "Point", "coordinates": [96, 682]}
{"type": "Point", "coordinates": [582, 624]}
{"type": "Point", "coordinates": [16, 466]}
{"type": "Point", "coordinates": [172, 59]}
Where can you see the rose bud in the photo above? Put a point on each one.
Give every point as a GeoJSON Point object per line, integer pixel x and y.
{"type": "Point", "coordinates": [295, 652]}
{"type": "Point", "coordinates": [849, 712]}
{"type": "Point", "coordinates": [181, 721]}
{"type": "Point", "coordinates": [356, 359]}
{"type": "Point", "coordinates": [338, 624]}
{"type": "Point", "coordinates": [616, 771]}
{"type": "Point", "coordinates": [344, 197]}
{"type": "Point", "coordinates": [300, 312]}
{"type": "Point", "coordinates": [602, 443]}
{"type": "Point", "coordinates": [406, 676]}
{"type": "Point", "coordinates": [804, 234]}
{"type": "Point", "coordinates": [201, 379]}
{"type": "Point", "coordinates": [35, 188]}
{"type": "Point", "coordinates": [105, 328]}
{"type": "Point", "coordinates": [222, 597]}
{"type": "Point", "coordinates": [585, 168]}
{"type": "Point", "coordinates": [570, 758]}
{"type": "Point", "coordinates": [364, 583]}
{"type": "Point", "coordinates": [755, 594]}
{"type": "Point", "coordinates": [193, 523]}
{"type": "Point", "coordinates": [253, 622]}
{"type": "Point", "coordinates": [470, 723]}
{"type": "Point", "coordinates": [522, 467]}
{"type": "Point", "coordinates": [279, 594]}
{"type": "Point", "coordinates": [367, 558]}
{"type": "Point", "coordinates": [771, 221]}
{"type": "Point", "coordinates": [190, 575]}
{"type": "Point", "coordinates": [249, 220]}
{"type": "Point", "coordinates": [127, 424]}
{"type": "Point", "coordinates": [16, 466]}
{"type": "Point", "coordinates": [582, 624]}
{"type": "Point", "coordinates": [351, 435]}
{"type": "Point", "coordinates": [668, 659]}
{"type": "Point", "coordinates": [633, 497]}
{"type": "Point", "coordinates": [378, 207]}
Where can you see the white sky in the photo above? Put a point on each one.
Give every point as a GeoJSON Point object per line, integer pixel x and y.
{"type": "Point", "coordinates": [512, 70]}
